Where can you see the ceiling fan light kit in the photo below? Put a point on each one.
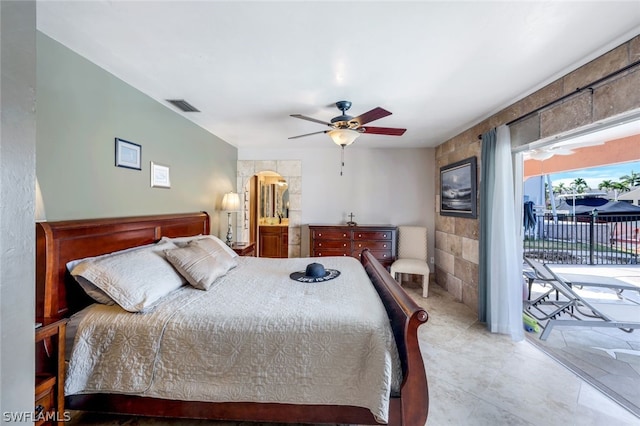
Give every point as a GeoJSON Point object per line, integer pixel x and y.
{"type": "Point", "coordinates": [344, 123]}
{"type": "Point", "coordinates": [345, 129]}
{"type": "Point", "coordinates": [344, 137]}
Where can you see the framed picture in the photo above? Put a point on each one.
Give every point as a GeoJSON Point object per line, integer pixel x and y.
{"type": "Point", "coordinates": [458, 189]}
{"type": "Point", "coordinates": [128, 154]}
{"type": "Point", "coordinates": [160, 176]}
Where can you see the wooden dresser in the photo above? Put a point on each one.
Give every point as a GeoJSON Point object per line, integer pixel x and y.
{"type": "Point", "coordinates": [342, 240]}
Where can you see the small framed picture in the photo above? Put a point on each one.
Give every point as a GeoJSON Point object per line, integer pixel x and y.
{"type": "Point", "coordinates": [128, 154]}
{"type": "Point", "coordinates": [458, 189]}
{"type": "Point", "coordinates": [160, 176]}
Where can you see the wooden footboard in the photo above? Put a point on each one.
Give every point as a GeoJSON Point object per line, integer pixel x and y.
{"type": "Point", "coordinates": [405, 316]}
{"type": "Point", "coordinates": [60, 242]}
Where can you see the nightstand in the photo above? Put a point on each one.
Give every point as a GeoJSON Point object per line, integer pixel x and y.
{"type": "Point", "coordinates": [49, 391]}
{"type": "Point", "coordinates": [244, 249]}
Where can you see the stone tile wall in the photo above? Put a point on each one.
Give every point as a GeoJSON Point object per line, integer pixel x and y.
{"type": "Point", "coordinates": [456, 239]}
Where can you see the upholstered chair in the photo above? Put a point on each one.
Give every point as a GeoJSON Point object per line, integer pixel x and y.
{"type": "Point", "coordinates": [412, 255]}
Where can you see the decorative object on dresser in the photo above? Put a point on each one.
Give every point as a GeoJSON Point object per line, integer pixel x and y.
{"type": "Point", "coordinates": [49, 389]}
{"type": "Point", "coordinates": [351, 221]}
{"type": "Point", "coordinates": [244, 249]}
{"type": "Point", "coordinates": [230, 204]}
{"type": "Point", "coordinates": [412, 255]}
{"type": "Point", "coordinates": [345, 240]}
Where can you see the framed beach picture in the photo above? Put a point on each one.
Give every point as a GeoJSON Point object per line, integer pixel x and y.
{"type": "Point", "coordinates": [128, 154]}
{"type": "Point", "coordinates": [160, 176]}
{"type": "Point", "coordinates": [458, 189]}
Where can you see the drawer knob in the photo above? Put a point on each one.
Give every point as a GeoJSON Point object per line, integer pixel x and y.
{"type": "Point", "coordinates": [384, 245]}
{"type": "Point", "coordinates": [384, 255]}
{"type": "Point", "coordinates": [384, 235]}
{"type": "Point", "coordinates": [344, 235]}
{"type": "Point", "coordinates": [344, 245]}
{"type": "Point", "coordinates": [359, 245]}
{"type": "Point", "coordinates": [319, 244]}
{"type": "Point", "coordinates": [319, 234]}
{"type": "Point", "coordinates": [359, 235]}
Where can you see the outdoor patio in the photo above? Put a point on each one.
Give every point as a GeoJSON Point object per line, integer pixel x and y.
{"type": "Point", "coordinates": [606, 358]}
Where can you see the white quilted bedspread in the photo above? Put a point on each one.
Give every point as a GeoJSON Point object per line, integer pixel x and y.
{"type": "Point", "coordinates": [256, 335]}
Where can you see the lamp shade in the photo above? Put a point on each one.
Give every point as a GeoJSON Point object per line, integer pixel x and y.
{"type": "Point", "coordinates": [343, 137]}
{"type": "Point", "coordinates": [40, 214]}
{"type": "Point", "coordinates": [231, 202]}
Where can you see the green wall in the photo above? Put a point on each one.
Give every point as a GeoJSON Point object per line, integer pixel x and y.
{"type": "Point", "coordinates": [81, 109]}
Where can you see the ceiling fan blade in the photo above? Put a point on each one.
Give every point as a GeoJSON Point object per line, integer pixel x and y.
{"type": "Point", "coordinates": [309, 134]}
{"type": "Point", "coordinates": [391, 131]}
{"type": "Point", "coordinates": [370, 116]}
{"type": "Point", "coordinates": [303, 117]}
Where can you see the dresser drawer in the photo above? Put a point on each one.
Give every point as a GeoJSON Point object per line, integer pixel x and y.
{"type": "Point", "coordinates": [372, 245]}
{"type": "Point", "coordinates": [44, 401]}
{"type": "Point", "coordinates": [331, 252]}
{"type": "Point", "coordinates": [372, 235]}
{"type": "Point", "coordinates": [382, 255]}
{"type": "Point", "coordinates": [331, 244]}
{"type": "Point", "coordinates": [331, 234]}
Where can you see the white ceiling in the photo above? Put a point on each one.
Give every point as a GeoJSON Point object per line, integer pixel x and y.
{"type": "Point", "coordinates": [438, 66]}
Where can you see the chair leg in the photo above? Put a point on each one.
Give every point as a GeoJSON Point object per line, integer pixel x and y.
{"type": "Point", "coordinates": [425, 286]}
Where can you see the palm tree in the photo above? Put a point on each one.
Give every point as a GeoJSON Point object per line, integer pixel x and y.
{"type": "Point", "coordinates": [620, 186]}
{"type": "Point", "coordinates": [606, 185]}
{"type": "Point", "coordinates": [632, 179]}
{"type": "Point", "coordinates": [560, 188]}
{"type": "Point", "coordinates": [580, 185]}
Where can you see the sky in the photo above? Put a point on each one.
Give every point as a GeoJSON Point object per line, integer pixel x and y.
{"type": "Point", "coordinates": [594, 175]}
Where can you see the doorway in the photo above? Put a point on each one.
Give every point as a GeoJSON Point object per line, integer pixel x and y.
{"type": "Point", "coordinates": [268, 220]}
{"type": "Point", "coordinates": [291, 171]}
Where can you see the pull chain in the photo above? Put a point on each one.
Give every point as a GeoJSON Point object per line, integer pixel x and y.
{"type": "Point", "coordinates": [341, 159]}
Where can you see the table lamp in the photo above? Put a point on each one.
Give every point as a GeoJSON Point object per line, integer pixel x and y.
{"type": "Point", "coordinates": [230, 204]}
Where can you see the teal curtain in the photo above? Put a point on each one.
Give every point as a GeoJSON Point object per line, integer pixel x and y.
{"type": "Point", "coordinates": [487, 177]}
{"type": "Point", "coordinates": [500, 269]}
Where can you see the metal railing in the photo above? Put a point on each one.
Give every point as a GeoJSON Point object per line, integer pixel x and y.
{"type": "Point", "coordinates": [592, 239]}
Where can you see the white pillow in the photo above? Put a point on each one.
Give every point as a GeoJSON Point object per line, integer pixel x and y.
{"type": "Point", "coordinates": [183, 241]}
{"type": "Point", "coordinates": [201, 262]}
{"type": "Point", "coordinates": [134, 279]}
{"type": "Point", "coordinates": [92, 291]}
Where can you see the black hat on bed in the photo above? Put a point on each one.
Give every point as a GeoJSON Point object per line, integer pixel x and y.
{"type": "Point", "coordinates": [315, 273]}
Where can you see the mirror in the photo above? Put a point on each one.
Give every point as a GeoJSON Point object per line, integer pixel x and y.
{"type": "Point", "coordinates": [274, 197]}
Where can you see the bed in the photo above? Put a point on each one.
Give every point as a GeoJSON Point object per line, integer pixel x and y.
{"type": "Point", "coordinates": [58, 295]}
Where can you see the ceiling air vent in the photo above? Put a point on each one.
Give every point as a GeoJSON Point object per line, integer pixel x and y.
{"type": "Point", "coordinates": [183, 105]}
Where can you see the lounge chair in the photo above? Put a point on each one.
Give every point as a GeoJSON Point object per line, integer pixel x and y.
{"type": "Point", "coordinates": [570, 309]}
{"type": "Point", "coordinates": [580, 281]}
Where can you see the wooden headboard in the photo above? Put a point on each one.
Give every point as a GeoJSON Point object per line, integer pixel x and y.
{"type": "Point", "coordinates": [57, 294]}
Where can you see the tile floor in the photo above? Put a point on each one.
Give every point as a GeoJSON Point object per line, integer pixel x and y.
{"type": "Point", "coordinates": [476, 379]}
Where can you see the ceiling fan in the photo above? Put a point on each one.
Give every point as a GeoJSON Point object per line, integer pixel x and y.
{"type": "Point", "coordinates": [344, 129]}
